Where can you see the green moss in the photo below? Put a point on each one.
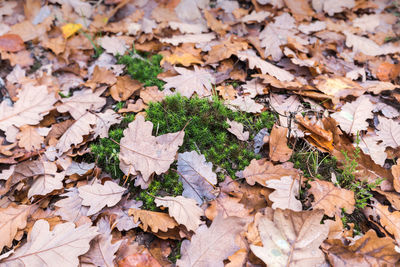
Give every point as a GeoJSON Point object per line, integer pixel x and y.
{"type": "Point", "coordinates": [143, 69]}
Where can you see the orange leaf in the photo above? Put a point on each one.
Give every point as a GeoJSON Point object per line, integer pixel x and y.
{"type": "Point", "coordinates": [11, 43]}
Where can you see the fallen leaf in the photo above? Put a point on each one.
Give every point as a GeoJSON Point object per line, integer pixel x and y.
{"type": "Point", "coordinates": [70, 29]}
{"type": "Point", "coordinates": [62, 246]}
{"type": "Point", "coordinates": [331, 198]}
{"type": "Point", "coordinates": [333, 6]}
{"type": "Point", "coordinates": [11, 43]}
{"type": "Point", "coordinates": [151, 94]}
{"type": "Point", "coordinates": [29, 138]}
{"type": "Point", "coordinates": [369, 146]}
{"type": "Point", "coordinates": [369, 47]}
{"type": "Point", "coordinates": [157, 221]}
{"type": "Point", "coordinates": [215, 25]}
{"type": "Point", "coordinates": [12, 218]}
{"type": "Point", "coordinates": [143, 152]}
{"type": "Point", "coordinates": [49, 181]}
{"type": "Point", "coordinates": [124, 88]}
{"type": "Point", "coordinates": [389, 220]}
{"type": "Point", "coordinates": [113, 45]}
{"type": "Point", "coordinates": [210, 246]}
{"type": "Point", "coordinates": [301, 10]}
{"type": "Point", "coordinates": [236, 128]}
{"type": "Point", "coordinates": [189, 38]}
{"type": "Point", "coordinates": [97, 196]}
{"type": "Point", "coordinates": [136, 107]}
{"type": "Point", "coordinates": [255, 16]}
{"type": "Point", "coordinates": [184, 210]}
{"type": "Point", "coordinates": [70, 208]}
{"type": "Point", "coordinates": [387, 71]}
{"type": "Point", "coordinates": [292, 238]}
{"type": "Point", "coordinates": [278, 149]}
{"type": "Point", "coordinates": [338, 87]}
{"type": "Point", "coordinates": [388, 132]}
{"type": "Point", "coordinates": [196, 175]}
{"type": "Point", "coordinates": [104, 121]}
{"type": "Point", "coordinates": [228, 206]}
{"type": "Point", "coordinates": [396, 175]}
{"type": "Point", "coordinates": [286, 191]}
{"type": "Point", "coordinates": [225, 49]}
{"type": "Point", "coordinates": [189, 82]}
{"type": "Point", "coordinates": [244, 103]}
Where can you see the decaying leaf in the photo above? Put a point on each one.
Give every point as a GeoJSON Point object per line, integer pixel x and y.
{"type": "Point", "coordinates": [12, 218]}
{"type": "Point", "coordinates": [369, 47]}
{"type": "Point", "coordinates": [292, 238]}
{"type": "Point", "coordinates": [124, 88]}
{"type": "Point", "coordinates": [245, 103]}
{"type": "Point", "coordinates": [237, 129]}
{"type": "Point", "coordinates": [331, 198]}
{"type": "Point", "coordinates": [196, 175]}
{"type": "Point", "coordinates": [104, 121]}
{"type": "Point", "coordinates": [143, 152]}
{"type": "Point", "coordinates": [155, 220]}
{"type": "Point", "coordinates": [184, 210]}
{"type": "Point", "coordinates": [62, 246]}
{"type": "Point", "coordinates": [278, 149]}
{"type": "Point", "coordinates": [29, 138]}
{"type": "Point", "coordinates": [70, 208]}
{"type": "Point", "coordinates": [210, 246]}
{"type": "Point", "coordinates": [47, 182]}
{"type": "Point", "coordinates": [389, 220]}
{"type": "Point", "coordinates": [97, 196]}
{"type": "Point", "coordinates": [228, 206]}
{"type": "Point", "coordinates": [284, 196]}
{"type": "Point", "coordinates": [388, 132]}
{"type": "Point", "coordinates": [11, 43]}
{"type": "Point", "coordinates": [113, 45]}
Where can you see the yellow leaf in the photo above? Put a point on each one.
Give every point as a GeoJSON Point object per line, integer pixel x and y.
{"type": "Point", "coordinates": [70, 28]}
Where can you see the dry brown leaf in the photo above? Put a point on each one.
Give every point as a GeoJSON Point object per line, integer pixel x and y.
{"type": "Point", "coordinates": [29, 138]}
{"type": "Point", "coordinates": [60, 247]}
{"type": "Point", "coordinates": [338, 87]}
{"type": "Point", "coordinates": [143, 152]}
{"type": "Point", "coordinates": [286, 191]}
{"type": "Point", "coordinates": [244, 103]}
{"type": "Point", "coordinates": [101, 75]}
{"type": "Point", "coordinates": [70, 208]}
{"type": "Point", "coordinates": [136, 107]}
{"type": "Point", "coordinates": [301, 10]}
{"type": "Point", "coordinates": [184, 210]}
{"type": "Point", "coordinates": [228, 206]}
{"type": "Point", "coordinates": [97, 196]}
{"type": "Point", "coordinates": [209, 247]}
{"type": "Point", "coordinates": [369, 250]}
{"type": "Point", "coordinates": [155, 220]}
{"type": "Point", "coordinates": [369, 47]}
{"type": "Point", "coordinates": [104, 121]}
{"type": "Point", "coordinates": [236, 128]}
{"type": "Point", "coordinates": [151, 94]}
{"type": "Point", "coordinates": [216, 25]}
{"type": "Point", "coordinates": [389, 220]}
{"type": "Point", "coordinates": [11, 43]}
{"type": "Point", "coordinates": [396, 176]}
{"type": "Point", "coordinates": [186, 55]}
{"type": "Point", "coordinates": [331, 198]}
{"type": "Point", "coordinates": [227, 92]}
{"type": "Point", "coordinates": [278, 149]}
{"type": "Point", "coordinates": [57, 44]}
{"type": "Point", "coordinates": [388, 132]}
{"type": "Point", "coordinates": [113, 45]}
{"type": "Point", "coordinates": [369, 146]}
{"type": "Point", "coordinates": [292, 238]}
{"type": "Point", "coordinates": [387, 72]}
{"type": "Point", "coordinates": [189, 38]}
{"type": "Point", "coordinates": [12, 218]}
{"type": "Point", "coordinates": [225, 49]}
{"type": "Point", "coordinates": [262, 170]}
{"type": "Point", "coordinates": [49, 181]}
{"type": "Point", "coordinates": [188, 82]}
{"type": "Point", "coordinates": [124, 88]}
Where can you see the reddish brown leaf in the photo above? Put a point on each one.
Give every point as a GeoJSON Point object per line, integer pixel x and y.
{"type": "Point", "coordinates": [11, 43]}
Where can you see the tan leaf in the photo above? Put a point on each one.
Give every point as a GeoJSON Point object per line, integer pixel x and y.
{"type": "Point", "coordinates": [209, 247]}
{"type": "Point", "coordinates": [237, 129]}
{"type": "Point", "coordinates": [388, 132]}
{"type": "Point", "coordinates": [113, 45]}
{"type": "Point", "coordinates": [331, 198]}
{"type": "Point", "coordinates": [82, 101]}
{"type": "Point", "coordinates": [214, 24]}
{"type": "Point", "coordinates": [145, 153]}
{"type": "Point", "coordinates": [124, 88]}
{"type": "Point", "coordinates": [396, 176]}
{"type": "Point", "coordinates": [12, 219]}
{"type": "Point", "coordinates": [196, 175]}
{"type": "Point", "coordinates": [189, 82]}
{"type": "Point", "coordinates": [74, 134]}
{"type": "Point", "coordinates": [264, 66]}
{"type": "Point", "coordinates": [286, 191]}
{"type": "Point", "coordinates": [369, 47]}
{"type": "Point", "coordinates": [104, 121]}
{"type": "Point", "coordinates": [101, 75]}
{"type": "Point", "coordinates": [228, 206]}
{"type": "Point", "coordinates": [244, 103]}
{"type": "Point", "coordinates": [155, 220]}
{"type": "Point", "coordinates": [255, 17]}
{"type": "Point", "coordinates": [369, 250]}
{"type": "Point", "coordinates": [292, 238]}
{"type": "Point", "coordinates": [184, 210]}
{"type": "Point", "coordinates": [225, 49]}
{"type": "Point", "coordinates": [57, 44]}
{"type": "Point", "coordinates": [29, 138]}
{"type": "Point", "coordinates": [70, 208]}
{"type": "Point", "coordinates": [301, 10]}
{"type": "Point", "coordinates": [60, 247]}
{"type": "Point", "coordinates": [151, 94]}
{"type": "Point", "coordinates": [189, 38]}
{"type": "Point", "coordinates": [49, 181]}
{"type": "Point", "coordinates": [97, 196]}
{"type": "Point", "coordinates": [338, 87]}
{"type": "Point", "coordinates": [227, 92]}
{"type": "Point", "coordinates": [34, 102]}
{"type": "Point", "coordinates": [136, 107]}
{"type": "Point", "coordinates": [278, 149]}
{"type": "Point", "coordinates": [389, 220]}
{"type": "Point", "coordinates": [353, 116]}
{"type": "Point", "coordinates": [369, 146]}
{"type": "Point", "coordinates": [262, 170]}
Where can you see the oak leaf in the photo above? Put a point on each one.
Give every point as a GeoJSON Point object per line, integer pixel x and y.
{"type": "Point", "coordinates": [29, 138]}
{"type": "Point", "coordinates": [244, 103]}
{"type": "Point", "coordinates": [389, 220]}
{"type": "Point", "coordinates": [71, 208]}
{"type": "Point", "coordinates": [60, 247]}
{"type": "Point", "coordinates": [278, 149]}
{"type": "Point", "coordinates": [209, 247]}
{"type": "Point", "coordinates": [225, 49]}
{"type": "Point", "coordinates": [157, 221]}
{"type": "Point", "coordinates": [236, 128]}
{"type": "Point", "coordinates": [396, 176]}
{"type": "Point", "coordinates": [189, 38]}
{"type": "Point", "coordinates": [331, 198]}
{"type": "Point", "coordinates": [97, 196]}
{"type": "Point", "coordinates": [369, 47]}
{"type": "Point", "coordinates": [388, 132]}
{"type": "Point", "coordinates": [189, 82]}
{"type": "Point", "coordinates": [151, 94]}
{"type": "Point", "coordinates": [113, 45]}
{"type": "Point", "coordinates": [184, 210]}
{"type": "Point", "coordinates": [284, 196]}
{"type": "Point", "coordinates": [47, 182]}
{"type": "Point", "coordinates": [104, 121]}
{"type": "Point", "coordinates": [12, 218]}
{"type": "Point", "coordinates": [353, 116]}
{"type": "Point", "coordinates": [369, 146]}
{"type": "Point", "coordinates": [143, 152]}
{"type": "Point", "coordinates": [292, 238]}
{"type": "Point", "coordinates": [228, 206]}
{"type": "Point", "coordinates": [11, 43]}
{"type": "Point", "coordinates": [134, 107]}
{"type": "Point", "coordinates": [124, 88]}
{"type": "Point", "coordinates": [196, 175]}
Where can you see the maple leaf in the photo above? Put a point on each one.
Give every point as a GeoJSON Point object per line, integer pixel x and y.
{"type": "Point", "coordinates": [70, 208]}
{"type": "Point", "coordinates": [264, 66]}
{"type": "Point", "coordinates": [369, 250]}
{"type": "Point", "coordinates": [60, 247]}
{"type": "Point", "coordinates": [97, 196]}
{"type": "Point", "coordinates": [237, 129]}
{"type": "Point", "coordinates": [196, 175]}
{"type": "Point", "coordinates": [297, 245]}
{"type": "Point", "coordinates": [34, 102]}
{"type": "Point", "coordinates": [12, 218]}
{"type": "Point", "coordinates": [82, 101]}
{"type": "Point", "coordinates": [48, 181]}
{"type": "Point", "coordinates": [331, 198]}
{"type": "Point", "coordinates": [210, 246]}
{"type": "Point", "coordinates": [155, 220]}
{"type": "Point", "coordinates": [189, 82]}
{"type": "Point", "coordinates": [284, 196]}
{"type": "Point", "coordinates": [388, 132]}
{"type": "Point", "coordinates": [278, 149]}
{"type": "Point", "coordinates": [353, 116]}
{"type": "Point", "coordinates": [140, 151]}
